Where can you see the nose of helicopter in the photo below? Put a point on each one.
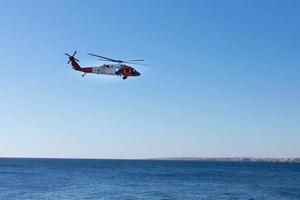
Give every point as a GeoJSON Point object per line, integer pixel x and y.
{"type": "Point", "coordinates": [137, 73]}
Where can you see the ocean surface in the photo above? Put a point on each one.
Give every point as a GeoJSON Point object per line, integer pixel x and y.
{"type": "Point", "coordinates": [43, 179]}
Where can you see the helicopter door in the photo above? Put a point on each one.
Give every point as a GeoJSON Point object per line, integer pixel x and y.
{"type": "Point", "coordinates": [109, 69]}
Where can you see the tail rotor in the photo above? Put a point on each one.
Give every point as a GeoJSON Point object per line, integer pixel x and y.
{"type": "Point", "coordinates": [72, 57]}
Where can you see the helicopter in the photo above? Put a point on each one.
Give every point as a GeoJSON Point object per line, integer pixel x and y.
{"type": "Point", "coordinates": [116, 67]}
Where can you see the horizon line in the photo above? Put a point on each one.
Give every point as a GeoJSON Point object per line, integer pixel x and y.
{"type": "Point", "coordinates": [237, 158]}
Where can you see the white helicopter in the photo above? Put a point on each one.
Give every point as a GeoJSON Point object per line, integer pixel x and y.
{"type": "Point", "coordinates": [118, 67]}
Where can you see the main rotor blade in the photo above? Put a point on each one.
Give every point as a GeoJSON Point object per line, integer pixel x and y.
{"type": "Point", "coordinates": [103, 59]}
{"type": "Point", "coordinates": [109, 59]}
{"type": "Point", "coordinates": [143, 64]}
{"type": "Point", "coordinates": [135, 60]}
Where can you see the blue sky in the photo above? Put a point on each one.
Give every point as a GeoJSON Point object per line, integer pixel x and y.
{"type": "Point", "coordinates": [223, 81]}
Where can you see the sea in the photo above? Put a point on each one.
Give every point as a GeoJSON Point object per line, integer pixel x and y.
{"type": "Point", "coordinates": [59, 179]}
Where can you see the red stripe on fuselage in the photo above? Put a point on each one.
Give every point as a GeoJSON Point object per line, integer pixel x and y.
{"type": "Point", "coordinates": [86, 69]}
{"type": "Point", "coordinates": [77, 67]}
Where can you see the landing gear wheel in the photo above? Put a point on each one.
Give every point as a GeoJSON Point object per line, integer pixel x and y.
{"type": "Point", "coordinates": [124, 77]}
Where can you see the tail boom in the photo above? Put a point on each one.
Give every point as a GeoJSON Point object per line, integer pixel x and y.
{"type": "Point", "coordinates": [77, 67]}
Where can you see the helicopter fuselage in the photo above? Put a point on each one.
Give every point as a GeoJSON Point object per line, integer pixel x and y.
{"type": "Point", "coordinates": [108, 69]}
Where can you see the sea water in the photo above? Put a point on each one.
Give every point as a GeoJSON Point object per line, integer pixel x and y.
{"type": "Point", "coordinates": [43, 179]}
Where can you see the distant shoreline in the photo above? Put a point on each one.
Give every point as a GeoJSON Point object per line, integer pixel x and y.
{"type": "Point", "coordinates": [213, 159]}
{"type": "Point", "coordinates": [236, 159]}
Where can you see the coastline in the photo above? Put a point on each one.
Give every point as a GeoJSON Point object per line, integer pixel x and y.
{"type": "Point", "coordinates": [232, 159]}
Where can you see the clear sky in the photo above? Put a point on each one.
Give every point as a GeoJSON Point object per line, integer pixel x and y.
{"type": "Point", "coordinates": [224, 79]}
